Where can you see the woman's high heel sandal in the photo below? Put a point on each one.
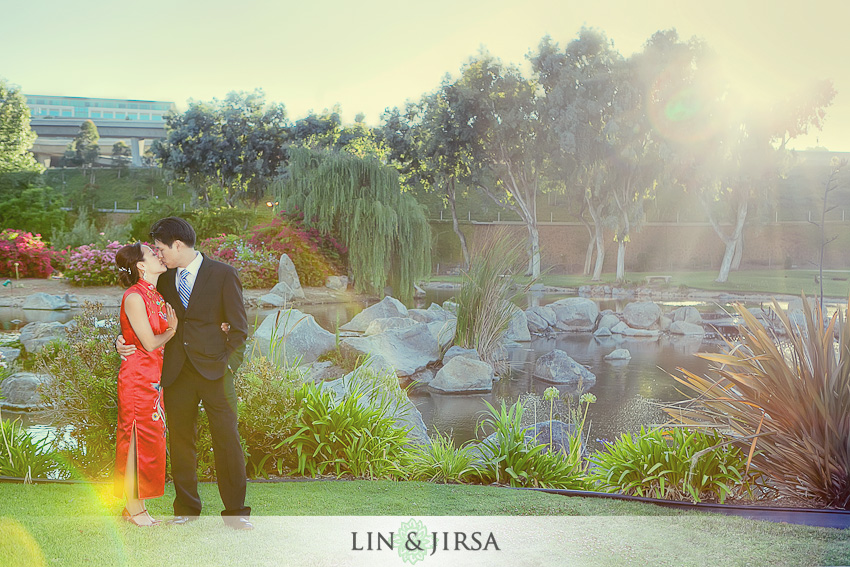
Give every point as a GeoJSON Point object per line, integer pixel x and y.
{"type": "Point", "coordinates": [127, 516]}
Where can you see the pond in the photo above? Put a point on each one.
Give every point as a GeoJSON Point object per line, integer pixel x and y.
{"type": "Point", "coordinates": [628, 394]}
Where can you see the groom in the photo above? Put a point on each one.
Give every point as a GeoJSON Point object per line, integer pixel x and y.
{"type": "Point", "coordinates": [198, 366]}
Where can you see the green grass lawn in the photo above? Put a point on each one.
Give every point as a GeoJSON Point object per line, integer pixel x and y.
{"type": "Point", "coordinates": [76, 525]}
{"type": "Point", "coordinates": [835, 283]}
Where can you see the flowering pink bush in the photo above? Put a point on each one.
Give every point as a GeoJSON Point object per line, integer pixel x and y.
{"type": "Point", "coordinates": [257, 266]}
{"type": "Point", "coordinates": [92, 265]}
{"type": "Point", "coordinates": [27, 251]}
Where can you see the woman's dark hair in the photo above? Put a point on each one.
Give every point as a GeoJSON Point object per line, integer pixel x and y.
{"type": "Point", "coordinates": [126, 259]}
{"type": "Point", "coordinates": [169, 229]}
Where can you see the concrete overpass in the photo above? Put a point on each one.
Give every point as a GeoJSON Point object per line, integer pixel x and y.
{"type": "Point", "coordinates": [54, 135]}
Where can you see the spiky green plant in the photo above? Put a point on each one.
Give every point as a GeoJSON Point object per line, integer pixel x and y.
{"type": "Point", "coordinates": [484, 302]}
{"type": "Point", "coordinates": [788, 397]}
{"type": "Point", "coordinates": [441, 461]}
{"type": "Point", "coordinates": [23, 457]}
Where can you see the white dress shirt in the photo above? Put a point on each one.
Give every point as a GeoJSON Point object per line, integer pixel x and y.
{"type": "Point", "coordinates": [192, 268]}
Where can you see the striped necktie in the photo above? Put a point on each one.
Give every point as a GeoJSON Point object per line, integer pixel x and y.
{"type": "Point", "coordinates": [183, 288]}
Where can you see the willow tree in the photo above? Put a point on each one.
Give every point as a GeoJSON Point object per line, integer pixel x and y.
{"type": "Point", "coordinates": [361, 200]}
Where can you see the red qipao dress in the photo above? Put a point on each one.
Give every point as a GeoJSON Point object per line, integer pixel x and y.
{"type": "Point", "coordinates": [140, 400]}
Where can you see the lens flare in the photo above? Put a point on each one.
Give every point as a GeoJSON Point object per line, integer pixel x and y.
{"type": "Point", "coordinates": [18, 547]}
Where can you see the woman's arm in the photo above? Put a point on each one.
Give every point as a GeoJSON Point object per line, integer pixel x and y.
{"type": "Point", "coordinates": [134, 305]}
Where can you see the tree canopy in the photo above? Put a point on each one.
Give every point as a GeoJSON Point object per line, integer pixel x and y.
{"type": "Point", "coordinates": [16, 136]}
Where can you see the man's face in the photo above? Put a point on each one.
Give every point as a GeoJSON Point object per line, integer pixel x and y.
{"type": "Point", "coordinates": [168, 254]}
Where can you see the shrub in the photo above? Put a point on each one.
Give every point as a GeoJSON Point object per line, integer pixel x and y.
{"type": "Point", "coordinates": [441, 461]}
{"type": "Point", "coordinates": [21, 456]}
{"type": "Point", "coordinates": [82, 393]}
{"type": "Point", "coordinates": [789, 399]}
{"type": "Point", "coordinates": [508, 458]}
{"type": "Point", "coordinates": [209, 222]}
{"type": "Point", "coordinates": [29, 252]}
{"type": "Point", "coordinates": [673, 464]}
{"type": "Point", "coordinates": [85, 231]}
{"type": "Point", "coordinates": [93, 264]}
{"type": "Point", "coordinates": [257, 267]}
{"type": "Point", "coordinates": [346, 437]}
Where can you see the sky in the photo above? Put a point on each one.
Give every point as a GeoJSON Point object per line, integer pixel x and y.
{"type": "Point", "coordinates": [373, 54]}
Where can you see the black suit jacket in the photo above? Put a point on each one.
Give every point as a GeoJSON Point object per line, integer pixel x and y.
{"type": "Point", "coordinates": [216, 298]}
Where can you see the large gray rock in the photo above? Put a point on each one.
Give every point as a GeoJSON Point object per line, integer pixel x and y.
{"type": "Point", "coordinates": [685, 328]}
{"type": "Point", "coordinates": [286, 291]}
{"type": "Point", "coordinates": [10, 355]}
{"type": "Point", "coordinates": [293, 336]}
{"type": "Point", "coordinates": [460, 351]}
{"type": "Point", "coordinates": [434, 313]}
{"type": "Point", "coordinates": [608, 320]}
{"type": "Point", "coordinates": [405, 350]}
{"type": "Point", "coordinates": [536, 323]}
{"type": "Point", "coordinates": [518, 326]}
{"type": "Point", "coordinates": [687, 314]}
{"type": "Point", "coordinates": [365, 382]}
{"type": "Point", "coordinates": [377, 326]}
{"type": "Point", "coordinates": [559, 368]}
{"type": "Point", "coordinates": [463, 374]}
{"type": "Point", "coordinates": [622, 329]}
{"type": "Point", "coordinates": [337, 283]}
{"type": "Point", "coordinates": [575, 314]}
{"type": "Point", "coordinates": [384, 309]}
{"type": "Point", "coordinates": [46, 302]}
{"type": "Point", "coordinates": [443, 332]}
{"type": "Point", "coordinates": [37, 334]}
{"type": "Point", "coordinates": [20, 391]}
{"type": "Point", "coordinates": [641, 314]}
{"type": "Point", "coordinates": [286, 274]}
{"type": "Point", "coordinates": [546, 313]}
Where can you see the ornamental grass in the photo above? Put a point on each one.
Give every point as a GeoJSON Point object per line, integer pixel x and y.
{"type": "Point", "coordinates": [786, 396]}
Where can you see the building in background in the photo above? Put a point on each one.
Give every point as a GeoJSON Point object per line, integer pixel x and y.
{"type": "Point", "coordinates": [56, 120]}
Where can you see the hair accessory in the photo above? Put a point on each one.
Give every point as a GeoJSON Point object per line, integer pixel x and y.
{"type": "Point", "coordinates": [123, 269]}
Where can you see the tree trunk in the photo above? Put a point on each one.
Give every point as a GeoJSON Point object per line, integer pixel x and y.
{"type": "Point", "coordinates": [456, 226]}
{"type": "Point", "coordinates": [731, 242]}
{"type": "Point", "coordinates": [739, 252]}
{"type": "Point", "coordinates": [588, 256]}
{"type": "Point", "coordinates": [600, 243]}
{"type": "Point", "coordinates": [534, 239]}
{"type": "Point", "coordinates": [621, 260]}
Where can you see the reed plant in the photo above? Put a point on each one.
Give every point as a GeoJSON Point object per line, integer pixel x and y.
{"type": "Point", "coordinates": [24, 457]}
{"type": "Point", "coordinates": [485, 300]}
{"type": "Point", "coordinates": [441, 461]}
{"type": "Point", "coordinates": [787, 398]}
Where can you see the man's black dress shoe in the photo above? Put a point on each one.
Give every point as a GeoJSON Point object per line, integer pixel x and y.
{"type": "Point", "coordinates": [238, 522]}
{"type": "Point", "coordinates": [181, 520]}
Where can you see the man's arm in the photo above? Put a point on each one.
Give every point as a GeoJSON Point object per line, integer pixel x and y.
{"type": "Point", "coordinates": [234, 314]}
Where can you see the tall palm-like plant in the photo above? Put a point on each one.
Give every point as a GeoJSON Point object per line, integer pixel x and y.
{"type": "Point", "coordinates": [788, 400]}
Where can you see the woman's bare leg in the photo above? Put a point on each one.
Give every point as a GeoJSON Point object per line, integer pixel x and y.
{"type": "Point", "coordinates": [135, 506]}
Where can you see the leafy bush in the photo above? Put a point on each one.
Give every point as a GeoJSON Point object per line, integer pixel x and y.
{"type": "Point", "coordinates": [153, 210]}
{"type": "Point", "coordinates": [92, 264]}
{"type": "Point", "coordinates": [267, 408]}
{"type": "Point", "coordinates": [673, 464]}
{"type": "Point", "coordinates": [21, 456]}
{"type": "Point", "coordinates": [257, 267]}
{"type": "Point", "coordinates": [29, 252]}
{"type": "Point", "coordinates": [217, 221]}
{"type": "Point", "coordinates": [441, 461]}
{"type": "Point", "coordinates": [315, 256]}
{"type": "Point", "coordinates": [508, 458]}
{"type": "Point", "coordinates": [346, 437]}
{"type": "Point", "coordinates": [789, 399]}
{"type": "Point", "coordinates": [85, 231]}
{"type": "Point", "coordinates": [82, 392]}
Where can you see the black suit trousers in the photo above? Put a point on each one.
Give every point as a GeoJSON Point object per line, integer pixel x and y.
{"type": "Point", "coordinates": [181, 407]}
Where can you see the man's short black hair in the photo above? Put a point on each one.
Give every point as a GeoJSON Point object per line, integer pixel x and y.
{"type": "Point", "coordinates": [169, 229]}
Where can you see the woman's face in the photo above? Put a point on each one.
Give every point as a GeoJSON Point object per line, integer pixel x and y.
{"type": "Point", "coordinates": [150, 264]}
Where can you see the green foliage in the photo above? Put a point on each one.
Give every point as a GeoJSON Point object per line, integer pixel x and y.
{"type": "Point", "coordinates": [82, 393]}
{"type": "Point", "coordinates": [267, 410]}
{"type": "Point", "coordinates": [28, 204]}
{"type": "Point", "coordinates": [16, 136]}
{"type": "Point", "coordinates": [485, 298]}
{"type": "Point", "coordinates": [21, 456]}
{"type": "Point", "coordinates": [153, 210]}
{"type": "Point", "coordinates": [216, 221]}
{"type": "Point", "coordinates": [441, 461]}
{"type": "Point", "coordinates": [83, 150]}
{"type": "Point", "coordinates": [85, 231]}
{"type": "Point", "coordinates": [673, 464]}
{"type": "Point", "coordinates": [347, 436]}
{"type": "Point", "coordinates": [384, 229]}
{"type": "Point", "coordinates": [232, 147]}
{"type": "Point", "coordinates": [787, 397]}
{"type": "Point", "coordinates": [509, 458]}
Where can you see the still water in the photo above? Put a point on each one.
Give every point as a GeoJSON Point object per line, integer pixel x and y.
{"type": "Point", "coordinates": [627, 394]}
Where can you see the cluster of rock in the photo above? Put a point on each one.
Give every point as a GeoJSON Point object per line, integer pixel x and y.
{"type": "Point", "coordinates": [615, 292]}
{"type": "Point", "coordinates": [638, 319]}
{"type": "Point", "coordinates": [46, 302]}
